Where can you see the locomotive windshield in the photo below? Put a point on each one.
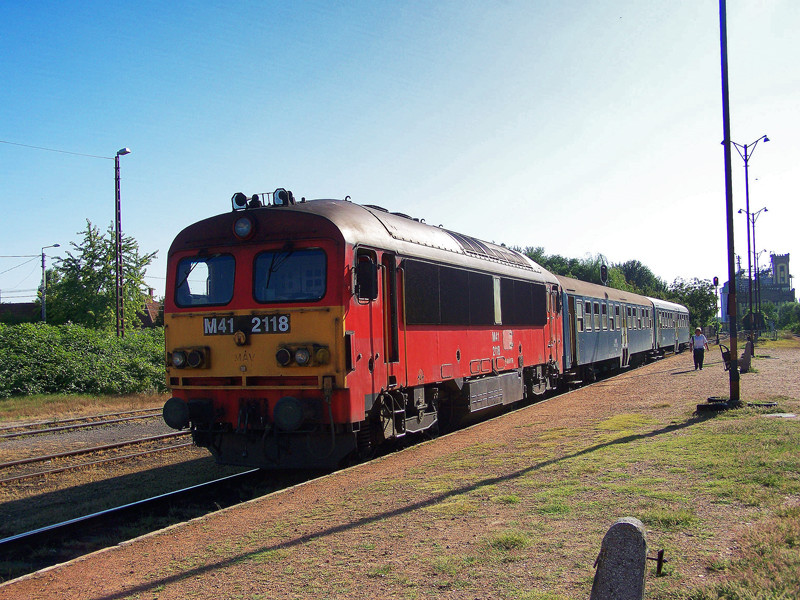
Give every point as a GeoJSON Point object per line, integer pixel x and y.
{"type": "Point", "coordinates": [290, 275]}
{"type": "Point", "coordinates": [205, 280]}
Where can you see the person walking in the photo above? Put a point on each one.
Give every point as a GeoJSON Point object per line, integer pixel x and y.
{"type": "Point", "coordinates": [699, 346]}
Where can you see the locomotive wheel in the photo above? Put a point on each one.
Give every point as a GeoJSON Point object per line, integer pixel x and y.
{"type": "Point", "coordinates": [366, 444]}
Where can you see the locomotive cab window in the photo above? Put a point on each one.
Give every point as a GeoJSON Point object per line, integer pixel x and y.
{"type": "Point", "coordinates": [366, 276]}
{"type": "Point", "coordinates": [290, 275]}
{"type": "Point", "coordinates": [205, 280]}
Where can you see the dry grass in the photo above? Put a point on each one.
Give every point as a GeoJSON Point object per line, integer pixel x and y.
{"type": "Point", "coordinates": [26, 408]}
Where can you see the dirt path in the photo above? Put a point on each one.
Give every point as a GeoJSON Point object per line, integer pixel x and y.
{"type": "Point", "coordinates": [465, 516]}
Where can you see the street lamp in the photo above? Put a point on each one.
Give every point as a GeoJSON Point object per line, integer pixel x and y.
{"type": "Point", "coordinates": [758, 279]}
{"type": "Point", "coordinates": [743, 152]}
{"type": "Point", "coordinates": [118, 245]}
{"type": "Point", "coordinates": [753, 218]}
{"type": "Point", "coordinates": [44, 283]}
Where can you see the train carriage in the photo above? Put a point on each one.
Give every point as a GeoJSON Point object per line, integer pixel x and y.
{"type": "Point", "coordinates": [671, 326]}
{"type": "Point", "coordinates": [301, 333]}
{"type": "Point", "coordinates": [604, 328]}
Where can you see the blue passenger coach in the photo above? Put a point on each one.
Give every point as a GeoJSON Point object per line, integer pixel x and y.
{"type": "Point", "coordinates": [671, 326]}
{"type": "Point", "coordinates": [604, 328]}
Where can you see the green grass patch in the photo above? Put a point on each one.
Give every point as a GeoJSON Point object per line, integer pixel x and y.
{"type": "Point", "coordinates": [508, 540]}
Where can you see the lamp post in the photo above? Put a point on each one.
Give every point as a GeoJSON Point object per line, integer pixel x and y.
{"type": "Point", "coordinates": [44, 283]}
{"type": "Point", "coordinates": [743, 152]}
{"type": "Point", "coordinates": [118, 245]}
{"type": "Point", "coordinates": [758, 280]}
{"type": "Point", "coordinates": [753, 217]}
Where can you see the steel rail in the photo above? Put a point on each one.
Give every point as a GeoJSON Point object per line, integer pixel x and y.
{"type": "Point", "coordinates": [36, 537]}
{"type": "Point", "coordinates": [33, 459]}
{"type": "Point", "coordinates": [79, 426]}
{"type": "Point", "coordinates": [73, 419]}
{"type": "Point", "coordinates": [91, 464]}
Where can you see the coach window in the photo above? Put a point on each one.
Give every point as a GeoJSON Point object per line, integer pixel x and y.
{"type": "Point", "coordinates": [616, 317]}
{"type": "Point", "coordinates": [205, 280]}
{"type": "Point", "coordinates": [604, 308]}
{"type": "Point", "coordinates": [290, 275]}
{"type": "Point", "coordinates": [596, 315]}
{"type": "Point", "coordinates": [588, 313]}
{"type": "Point", "coordinates": [579, 316]}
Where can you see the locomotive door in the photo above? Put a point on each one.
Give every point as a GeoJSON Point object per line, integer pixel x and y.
{"type": "Point", "coordinates": [555, 338]}
{"type": "Point", "coordinates": [391, 321]}
{"type": "Point", "coordinates": [371, 345]}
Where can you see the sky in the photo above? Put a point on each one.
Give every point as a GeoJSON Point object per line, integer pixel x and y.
{"type": "Point", "coordinates": [580, 127]}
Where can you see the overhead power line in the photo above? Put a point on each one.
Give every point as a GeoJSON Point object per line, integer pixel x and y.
{"type": "Point", "coordinates": [56, 150]}
{"type": "Point", "coordinates": [19, 265]}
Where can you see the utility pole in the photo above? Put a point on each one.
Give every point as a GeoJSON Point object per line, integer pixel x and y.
{"type": "Point", "coordinates": [733, 372]}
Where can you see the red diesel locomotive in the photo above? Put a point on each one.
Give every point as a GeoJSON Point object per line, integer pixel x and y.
{"type": "Point", "coordinates": [301, 334]}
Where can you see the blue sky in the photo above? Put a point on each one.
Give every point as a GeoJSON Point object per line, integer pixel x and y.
{"type": "Point", "coordinates": [582, 127]}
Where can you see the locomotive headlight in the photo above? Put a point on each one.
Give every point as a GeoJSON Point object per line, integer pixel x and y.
{"type": "Point", "coordinates": [302, 356]}
{"type": "Point", "coordinates": [322, 356]}
{"type": "Point", "coordinates": [243, 228]}
{"type": "Point", "coordinates": [179, 359]}
{"type": "Point", "coordinates": [283, 356]}
{"type": "Point", "coordinates": [195, 358]}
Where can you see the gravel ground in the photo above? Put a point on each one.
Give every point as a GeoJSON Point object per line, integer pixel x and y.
{"type": "Point", "coordinates": [426, 522]}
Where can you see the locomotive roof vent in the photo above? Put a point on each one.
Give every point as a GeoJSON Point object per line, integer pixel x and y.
{"type": "Point", "coordinates": [280, 197]}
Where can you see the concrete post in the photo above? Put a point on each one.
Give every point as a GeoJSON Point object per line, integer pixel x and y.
{"type": "Point", "coordinates": [621, 562]}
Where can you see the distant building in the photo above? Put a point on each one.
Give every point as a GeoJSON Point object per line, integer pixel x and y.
{"type": "Point", "coordinates": [20, 312]}
{"type": "Point", "coordinates": [769, 285]}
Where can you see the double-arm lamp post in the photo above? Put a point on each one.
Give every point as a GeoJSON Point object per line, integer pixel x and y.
{"type": "Point", "coordinates": [746, 151]}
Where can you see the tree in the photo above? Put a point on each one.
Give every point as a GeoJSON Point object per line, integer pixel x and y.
{"type": "Point", "coordinates": [81, 288]}
{"type": "Point", "coordinates": [642, 278]}
{"type": "Point", "coordinates": [698, 296]}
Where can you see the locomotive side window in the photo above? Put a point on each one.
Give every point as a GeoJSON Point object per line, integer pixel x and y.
{"type": "Point", "coordinates": [524, 303]}
{"type": "Point", "coordinates": [290, 275]}
{"type": "Point", "coordinates": [439, 295]}
{"type": "Point", "coordinates": [498, 310]}
{"type": "Point", "coordinates": [481, 299]}
{"type": "Point", "coordinates": [454, 307]}
{"type": "Point", "coordinates": [422, 293]}
{"type": "Point", "coordinates": [205, 281]}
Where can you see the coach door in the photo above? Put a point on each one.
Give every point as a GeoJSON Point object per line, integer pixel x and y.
{"type": "Point", "coordinates": [625, 357]}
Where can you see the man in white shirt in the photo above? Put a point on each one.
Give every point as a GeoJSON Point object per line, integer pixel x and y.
{"type": "Point", "coordinates": [699, 345]}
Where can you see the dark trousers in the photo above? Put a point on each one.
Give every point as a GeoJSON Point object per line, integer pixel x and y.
{"type": "Point", "coordinates": [699, 354]}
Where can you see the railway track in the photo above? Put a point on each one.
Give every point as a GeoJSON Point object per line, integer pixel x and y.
{"type": "Point", "coordinates": [21, 465]}
{"type": "Point", "coordinates": [53, 426]}
{"type": "Point", "coordinates": [75, 537]}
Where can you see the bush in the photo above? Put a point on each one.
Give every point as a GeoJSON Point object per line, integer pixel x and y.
{"type": "Point", "coordinates": [36, 358]}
